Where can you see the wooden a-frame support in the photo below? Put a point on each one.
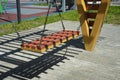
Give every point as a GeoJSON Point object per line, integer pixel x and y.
{"type": "Point", "coordinates": [91, 16]}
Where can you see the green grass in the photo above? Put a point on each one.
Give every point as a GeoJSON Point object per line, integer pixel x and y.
{"type": "Point", "coordinates": [113, 17]}
{"type": "Point", "coordinates": [41, 4]}
{"type": "Point", "coordinates": [25, 25]}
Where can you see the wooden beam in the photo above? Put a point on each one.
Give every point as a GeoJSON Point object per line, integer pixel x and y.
{"type": "Point", "coordinates": [90, 38]}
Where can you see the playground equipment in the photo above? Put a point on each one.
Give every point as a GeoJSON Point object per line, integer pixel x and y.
{"type": "Point", "coordinates": [3, 5]}
{"type": "Point", "coordinates": [91, 14]}
{"type": "Point", "coordinates": [1, 9]}
{"type": "Point", "coordinates": [47, 42]}
{"type": "Point", "coordinates": [50, 41]}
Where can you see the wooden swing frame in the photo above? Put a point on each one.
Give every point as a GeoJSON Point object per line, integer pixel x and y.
{"type": "Point", "coordinates": [91, 17]}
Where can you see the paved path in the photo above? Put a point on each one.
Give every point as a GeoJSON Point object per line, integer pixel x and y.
{"type": "Point", "coordinates": [101, 64]}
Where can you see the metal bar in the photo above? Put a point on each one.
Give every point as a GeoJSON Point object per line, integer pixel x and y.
{"type": "Point", "coordinates": [63, 5]}
{"type": "Point", "coordinates": [18, 11]}
{"type": "Point", "coordinates": [5, 20]}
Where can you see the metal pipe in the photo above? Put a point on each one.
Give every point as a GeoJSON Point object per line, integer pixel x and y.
{"type": "Point", "coordinates": [63, 5]}
{"type": "Point", "coordinates": [18, 11]}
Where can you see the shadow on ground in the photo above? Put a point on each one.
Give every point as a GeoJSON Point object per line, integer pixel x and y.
{"type": "Point", "coordinates": [28, 70]}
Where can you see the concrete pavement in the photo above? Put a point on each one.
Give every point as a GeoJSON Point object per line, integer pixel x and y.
{"type": "Point", "coordinates": [101, 64]}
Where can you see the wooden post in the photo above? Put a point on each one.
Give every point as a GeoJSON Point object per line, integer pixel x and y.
{"type": "Point", "coordinates": [91, 20]}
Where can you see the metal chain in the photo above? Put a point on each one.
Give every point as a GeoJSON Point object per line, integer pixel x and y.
{"type": "Point", "coordinates": [47, 20]}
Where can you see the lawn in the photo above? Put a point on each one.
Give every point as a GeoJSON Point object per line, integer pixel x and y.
{"type": "Point", "coordinates": [41, 4]}
{"type": "Point", "coordinates": [113, 17]}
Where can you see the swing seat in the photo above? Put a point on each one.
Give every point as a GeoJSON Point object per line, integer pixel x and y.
{"type": "Point", "coordinates": [50, 41]}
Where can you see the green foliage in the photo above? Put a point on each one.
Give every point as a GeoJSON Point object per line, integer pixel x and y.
{"type": "Point", "coordinates": [41, 4]}
{"type": "Point", "coordinates": [71, 15]}
{"type": "Point", "coordinates": [113, 16]}
{"type": "Point", "coordinates": [5, 29]}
